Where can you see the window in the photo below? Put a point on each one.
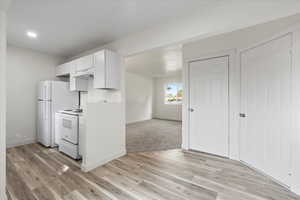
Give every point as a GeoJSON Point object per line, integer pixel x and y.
{"type": "Point", "coordinates": [173, 93]}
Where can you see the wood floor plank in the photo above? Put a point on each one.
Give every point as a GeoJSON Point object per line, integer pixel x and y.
{"type": "Point", "coordinates": [127, 184]}
{"type": "Point", "coordinates": [43, 193]}
{"type": "Point", "coordinates": [75, 195]}
{"type": "Point", "coordinates": [38, 173]}
{"type": "Point", "coordinates": [75, 182]}
{"type": "Point", "coordinates": [166, 181]}
{"type": "Point", "coordinates": [115, 191]}
{"type": "Point", "coordinates": [15, 184]}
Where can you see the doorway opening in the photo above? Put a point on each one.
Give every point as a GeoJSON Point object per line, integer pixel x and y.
{"type": "Point", "coordinates": [154, 95]}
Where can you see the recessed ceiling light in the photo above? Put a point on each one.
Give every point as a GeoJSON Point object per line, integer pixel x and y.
{"type": "Point", "coordinates": [32, 34]}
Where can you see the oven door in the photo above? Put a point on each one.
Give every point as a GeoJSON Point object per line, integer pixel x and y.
{"type": "Point", "coordinates": [69, 128]}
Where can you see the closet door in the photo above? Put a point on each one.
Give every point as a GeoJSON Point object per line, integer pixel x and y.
{"type": "Point", "coordinates": [209, 105]}
{"type": "Point", "coordinates": [266, 99]}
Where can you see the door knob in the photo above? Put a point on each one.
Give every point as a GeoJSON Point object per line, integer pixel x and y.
{"type": "Point", "coordinates": [191, 109]}
{"type": "Point", "coordinates": [242, 115]}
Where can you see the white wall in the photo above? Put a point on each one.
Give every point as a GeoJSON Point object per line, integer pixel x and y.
{"type": "Point", "coordinates": [105, 134]}
{"type": "Point", "coordinates": [2, 102]}
{"type": "Point", "coordinates": [24, 69]}
{"type": "Point", "coordinates": [104, 111]}
{"type": "Point", "coordinates": [160, 109]}
{"type": "Point", "coordinates": [185, 30]}
{"type": "Point", "coordinates": [223, 19]}
{"type": "Point", "coordinates": [139, 91]}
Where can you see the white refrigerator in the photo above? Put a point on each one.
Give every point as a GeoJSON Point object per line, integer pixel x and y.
{"type": "Point", "coordinates": [53, 96]}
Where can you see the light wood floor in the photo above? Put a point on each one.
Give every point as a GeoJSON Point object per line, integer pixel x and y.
{"type": "Point", "coordinates": [34, 172]}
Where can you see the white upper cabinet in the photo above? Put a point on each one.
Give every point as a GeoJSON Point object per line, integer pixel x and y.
{"type": "Point", "coordinates": [85, 63]}
{"type": "Point", "coordinates": [77, 83]}
{"type": "Point", "coordinates": [63, 70]}
{"type": "Point", "coordinates": [104, 66]}
{"type": "Point", "coordinates": [107, 74]}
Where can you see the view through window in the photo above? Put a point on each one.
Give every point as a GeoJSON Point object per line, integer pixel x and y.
{"type": "Point", "coordinates": [173, 93]}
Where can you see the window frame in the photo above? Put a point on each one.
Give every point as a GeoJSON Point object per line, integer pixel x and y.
{"type": "Point", "coordinates": [178, 87]}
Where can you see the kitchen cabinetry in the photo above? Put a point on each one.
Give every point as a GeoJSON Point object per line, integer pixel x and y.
{"type": "Point", "coordinates": [85, 63]}
{"type": "Point", "coordinates": [82, 132]}
{"type": "Point", "coordinates": [103, 68]}
{"type": "Point", "coordinates": [107, 74]}
{"type": "Point", "coordinates": [63, 70]}
{"type": "Point", "coordinates": [77, 83]}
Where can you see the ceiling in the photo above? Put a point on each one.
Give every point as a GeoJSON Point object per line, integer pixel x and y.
{"type": "Point", "coordinates": [69, 27]}
{"type": "Point", "coordinates": [156, 63]}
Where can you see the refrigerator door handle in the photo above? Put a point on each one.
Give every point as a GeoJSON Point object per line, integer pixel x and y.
{"type": "Point", "coordinates": [44, 112]}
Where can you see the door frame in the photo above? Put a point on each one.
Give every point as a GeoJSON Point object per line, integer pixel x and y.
{"type": "Point", "coordinates": [233, 95]}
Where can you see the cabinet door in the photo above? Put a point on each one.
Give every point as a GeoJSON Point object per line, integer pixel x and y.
{"type": "Point", "coordinates": [85, 63]}
{"type": "Point", "coordinates": [62, 70]}
{"type": "Point", "coordinates": [112, 70]}
{"type": "Point", "coordinates": [78, 84]}
{"type": "Point", "coordinates": [72, 83]}
{"type": "Point", "coordinates": [100, 73]}
{"type": "Point", "coordinates": [72, 67]}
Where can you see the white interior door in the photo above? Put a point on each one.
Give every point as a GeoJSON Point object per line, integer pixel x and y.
{"type": "Point", "coordinates": [209, 105]}
{"type": "Point", "coordinates": [266, 99]}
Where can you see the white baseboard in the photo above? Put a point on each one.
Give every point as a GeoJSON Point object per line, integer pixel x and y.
{"type": "Point", "coordinates": [296, 189]}
{"type": "Point", "coordinates": [184, 146]}
{"type": "Point", "coordinates": [168, 119]}
{"type": "Point", "coordinates": [89, 167]}
{"type": "Point", "coordinates": [266, 175]}
{"type": "Point", "coordinates": [20, 143]}
{"type": "Point", "coordinates": [137, 121]}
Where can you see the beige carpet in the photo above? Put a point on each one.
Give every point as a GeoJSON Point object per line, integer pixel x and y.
{"type": "Point", "coordinates": [153, 135]}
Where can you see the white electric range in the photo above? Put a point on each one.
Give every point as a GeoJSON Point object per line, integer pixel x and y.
{"type": "Point", "coordinates": [67, 125]}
